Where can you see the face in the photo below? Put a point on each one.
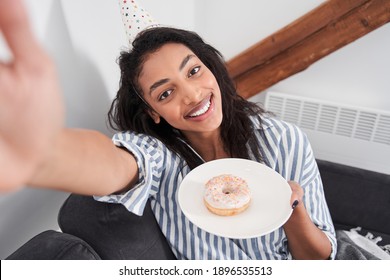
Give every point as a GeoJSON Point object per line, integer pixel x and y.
{"type": "Point", "coordinates": [182, 90]}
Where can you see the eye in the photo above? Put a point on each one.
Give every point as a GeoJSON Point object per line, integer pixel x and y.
{"type": "Point", "coordinates": [194, 71]}
{"type": "Point", "coordinates": [165, 95]}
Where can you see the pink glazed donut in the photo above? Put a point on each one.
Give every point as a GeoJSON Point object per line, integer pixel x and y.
{"type": "Point", "coordinates": [227, 195]}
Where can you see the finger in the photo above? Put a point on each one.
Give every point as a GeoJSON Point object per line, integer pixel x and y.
{"type": "Point", "coordinates": [296, 195]}
{"type": "Point", "coordinates": [16, 29]}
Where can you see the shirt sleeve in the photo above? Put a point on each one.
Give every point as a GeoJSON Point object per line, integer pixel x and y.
{"type": "Point", "coordinates": [295, 161]}
{"type": "Point", "coordinates": [149, 155]}
{"type": "Point", "coordinates": [308, 176]}
{"type": "Point", "coordinates": [315, 199]}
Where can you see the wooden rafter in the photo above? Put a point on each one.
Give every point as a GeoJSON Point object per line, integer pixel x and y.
{"type": "Point", "coordinates": [292, 49]}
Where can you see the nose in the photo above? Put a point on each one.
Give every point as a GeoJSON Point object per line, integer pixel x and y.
{"type": "Point", "coordinates": [191, 94]}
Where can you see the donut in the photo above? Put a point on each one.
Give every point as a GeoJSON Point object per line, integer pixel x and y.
{"type": "Point", "coordinates": [226, 195]}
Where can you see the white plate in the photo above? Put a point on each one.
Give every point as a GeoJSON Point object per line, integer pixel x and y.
{"type": "Point", "coordinates": [269, 209]}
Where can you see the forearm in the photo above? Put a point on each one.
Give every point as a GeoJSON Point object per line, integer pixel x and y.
{"type": "Point", "coordinates": [86, 162]}
{"type": "Point", "coordinates": [305, 240]}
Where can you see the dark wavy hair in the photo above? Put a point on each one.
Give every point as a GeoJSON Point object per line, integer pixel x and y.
{"type": "Point", "coordinates": [129, 111]}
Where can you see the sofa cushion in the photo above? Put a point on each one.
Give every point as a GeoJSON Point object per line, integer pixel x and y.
{"type": "Point", "coordinates": [53, 245]}
{"type": "Point", "coordinates": [112, 231]}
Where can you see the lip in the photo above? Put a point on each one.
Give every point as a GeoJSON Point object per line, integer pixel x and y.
{"type": "Point", "coordinates": [199, 107]}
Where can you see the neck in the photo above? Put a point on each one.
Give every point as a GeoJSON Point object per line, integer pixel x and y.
{"type": "Point", "coordinates": [208, 145]}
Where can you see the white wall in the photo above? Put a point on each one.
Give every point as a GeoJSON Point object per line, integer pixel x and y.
{"type": "Point", "coordinates": [86, 36]}
{"type": "Point", "coordinates": [232, 26]}
{"type": "Point", "coordinates": [356, 74]}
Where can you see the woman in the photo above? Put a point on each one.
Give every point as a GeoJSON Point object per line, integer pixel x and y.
{"type": "Point", "coordinates": [175, 88]}
{"type": "Point", "coordinates": [177, 108]}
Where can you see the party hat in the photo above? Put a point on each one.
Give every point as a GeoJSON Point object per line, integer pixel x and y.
{"type": "Point", "coordinates": [135, 18]}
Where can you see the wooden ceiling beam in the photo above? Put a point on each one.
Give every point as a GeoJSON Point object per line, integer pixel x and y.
{"type": "Point", "coordinates": [292, 49]}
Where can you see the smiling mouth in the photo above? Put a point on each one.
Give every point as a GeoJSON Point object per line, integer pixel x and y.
{"type": "Point", "coordinates": [204, 108]}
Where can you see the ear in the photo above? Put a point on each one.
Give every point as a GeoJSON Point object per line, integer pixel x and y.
{"type": "Point", "coordinates": [154, 116]}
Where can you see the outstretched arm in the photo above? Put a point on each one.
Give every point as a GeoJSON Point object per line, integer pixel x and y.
{"type": "Point", "coordinates": [35, 147]}
{"type": "Point", "coordinates": [86, 162]}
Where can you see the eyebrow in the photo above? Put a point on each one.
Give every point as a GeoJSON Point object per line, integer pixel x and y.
{"type": "Point", "coordinates": [157, 84]}
{"type": "Point", "coordinates": [163, 81]}
{"type": "Point", "coordinates": [185, 61]}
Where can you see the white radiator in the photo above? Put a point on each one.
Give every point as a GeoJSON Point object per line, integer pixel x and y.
{"type": "Point", "coordinates": [339, 133]}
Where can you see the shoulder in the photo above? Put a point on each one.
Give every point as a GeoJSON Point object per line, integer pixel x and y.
{"type": "Point", "coordinates": [144, 147]}
{"type": "Point", "coordinates": [131, 136]}
{"type": "Point", "coordinates": [147, 148]}
{"type": "Point", "coordinates": [138, 139]}
{"type": "Point", "coordinates": [277, 129]}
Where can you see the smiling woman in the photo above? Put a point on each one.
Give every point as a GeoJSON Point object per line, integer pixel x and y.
{"type": "Point", "coordinates": [178, 108]}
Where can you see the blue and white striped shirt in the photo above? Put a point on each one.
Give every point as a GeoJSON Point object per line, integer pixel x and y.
{"type": "Point", "coordinates": [287, 151]}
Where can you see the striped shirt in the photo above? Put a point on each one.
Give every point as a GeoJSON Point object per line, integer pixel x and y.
{"type": "Point", "coordinates": [287, 151]}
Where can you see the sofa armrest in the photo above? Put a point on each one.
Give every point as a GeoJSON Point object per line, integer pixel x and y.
{"type": "Point", "coordinates": [112, 231]}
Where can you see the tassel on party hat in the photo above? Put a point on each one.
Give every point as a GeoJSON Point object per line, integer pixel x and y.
{"type": "Point", "coordinates": [135, 18]}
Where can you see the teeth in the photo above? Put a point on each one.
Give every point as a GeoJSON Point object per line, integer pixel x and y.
{"type": "Point", "coordinates": [201, 111]}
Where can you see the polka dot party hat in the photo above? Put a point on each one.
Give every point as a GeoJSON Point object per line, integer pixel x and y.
{"type": "Point", "coordinates": [135, 18]}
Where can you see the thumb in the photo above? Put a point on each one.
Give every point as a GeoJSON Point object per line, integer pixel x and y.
{"type": "Point", "coordinates": [296, 195]}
